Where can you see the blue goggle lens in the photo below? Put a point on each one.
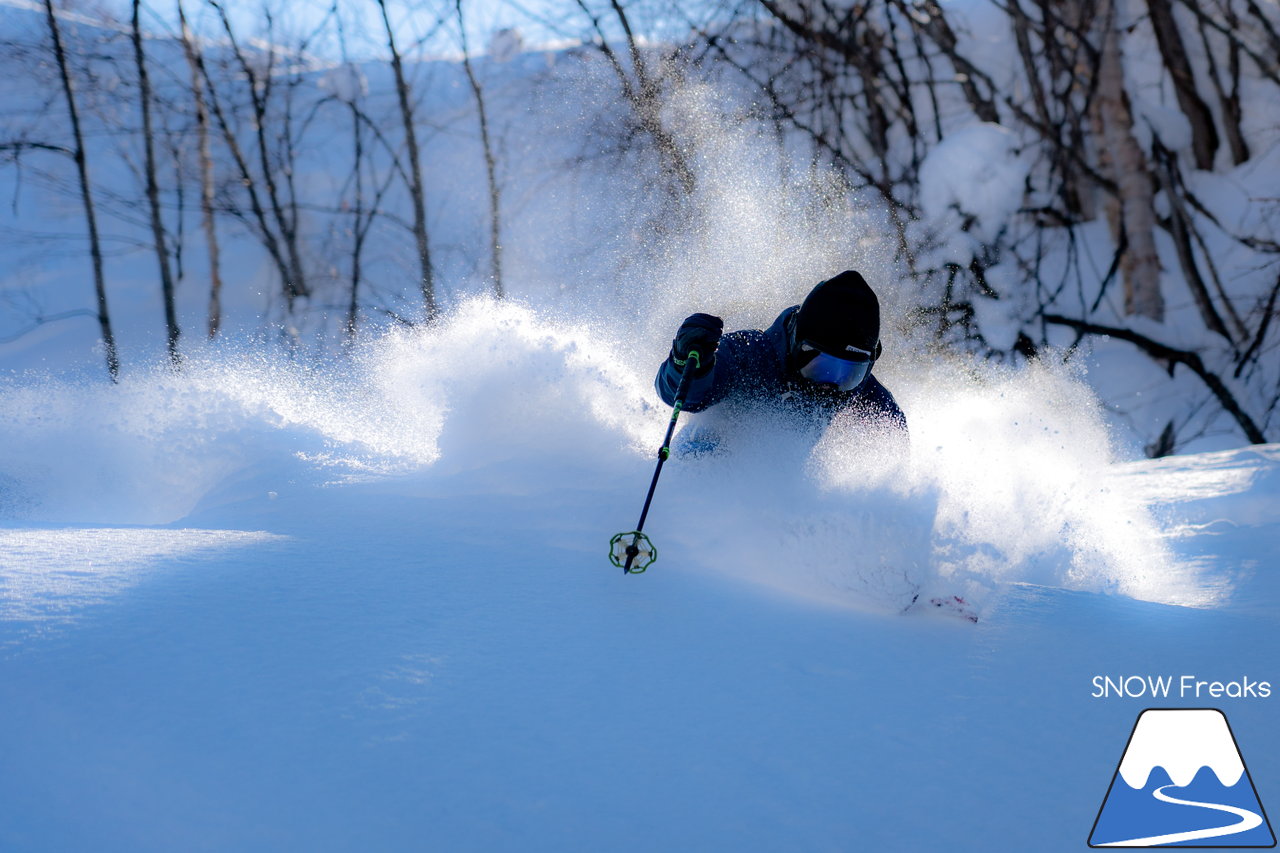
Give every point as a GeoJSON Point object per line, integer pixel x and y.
{"type": "Point", "coordinates": [826, 369]}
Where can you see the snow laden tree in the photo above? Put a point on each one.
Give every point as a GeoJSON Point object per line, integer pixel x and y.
{"type": "Point", "coordinates": [1057, 178]}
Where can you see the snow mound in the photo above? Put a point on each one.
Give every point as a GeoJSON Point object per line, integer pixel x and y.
{"type": "Point", "coordinates": [150, 449]}
{"type": "Point", "coordinates": [1008, 478]}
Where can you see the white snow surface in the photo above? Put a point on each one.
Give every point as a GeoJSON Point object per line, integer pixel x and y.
{"type": "Point", "coordinates": [261, 606]}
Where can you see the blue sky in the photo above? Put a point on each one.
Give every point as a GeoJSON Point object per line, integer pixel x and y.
{"type": "Point", "coordinates": [415, 22]}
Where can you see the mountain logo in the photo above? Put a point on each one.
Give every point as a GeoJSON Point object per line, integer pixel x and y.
{"type": "Point", "coordinates": [1181, 782]}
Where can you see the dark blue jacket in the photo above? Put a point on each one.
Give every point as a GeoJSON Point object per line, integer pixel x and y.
{"type": "Point", "coordinates": [751, 366]}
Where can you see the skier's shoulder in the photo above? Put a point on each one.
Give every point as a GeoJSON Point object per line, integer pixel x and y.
{"type": "Point", "coordinates": [760, 348]}
{"type": "Point", "coordinates": [777, 331]}
{"type": "Point", "coordinates": [873, 389]}
{"type": "Point", "coordinates": [764, 347]}
{"type": "Point", "coordinates": [745, 344]}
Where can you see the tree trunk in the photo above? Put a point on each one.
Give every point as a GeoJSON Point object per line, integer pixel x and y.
{"type": "Point", "coordinates": [86, 195]}
{"type": "Point", "coordinates": [1228, 100]}
{"type": "Point", "coordinates": [153, 191]}
{"type": "Point", "coordinates": [490, 163]}
{"type": "Point", "coordinates": [1063, 120]}
{"type": "Point", "coordinates": [1131, 212]}
{"type": "Point", "coordinates": [358, 231]}
{"type": "Point", "coordinates": [1204, 136]}
{"type": "Point", "coordinates": [416, 190]}
{"type": "Point", "coordinates": [206, 178]}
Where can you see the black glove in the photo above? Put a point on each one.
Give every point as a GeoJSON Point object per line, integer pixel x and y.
{"type": "Point", "coordinates": [699, 333]}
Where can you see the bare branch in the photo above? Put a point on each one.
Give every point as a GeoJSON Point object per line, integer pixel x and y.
{"type": "Point", "coordinates": [1172, 356]}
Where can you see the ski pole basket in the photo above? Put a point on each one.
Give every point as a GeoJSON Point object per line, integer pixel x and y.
{"type": "Point", "coordinates": [632, 547]}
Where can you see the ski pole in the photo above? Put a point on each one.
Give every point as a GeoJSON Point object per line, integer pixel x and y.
{"type": "Point", "coordinates": [634, 549]}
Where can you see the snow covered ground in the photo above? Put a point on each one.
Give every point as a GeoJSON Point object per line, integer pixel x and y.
{"type": "Point", "coordinates": [259, 607]}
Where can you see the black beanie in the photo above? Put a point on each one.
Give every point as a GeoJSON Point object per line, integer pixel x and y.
{"type": "Point", "coordinates": [840, 312]}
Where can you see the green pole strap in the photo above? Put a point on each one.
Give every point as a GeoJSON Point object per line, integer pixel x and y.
{"type": "Point", "coordinates": [693, 354]}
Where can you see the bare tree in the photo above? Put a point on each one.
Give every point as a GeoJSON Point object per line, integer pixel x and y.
{"type": "Point", "coordinates": [205, 156]}
{"type": "Point", "coordinates": [360, 225]}
{"type": "Point", "coordinates": [365, 209]}
{"type": "Point", "coordinates": [153, 190]}
{"type": "Point", "coordinates": [349, 90]}
{"type": "Point", "coordinates": [284, 214]}
{"type": "Point", "coordinates": [86, 192]}
{"type": "Point", "coordinates": [417, 191]}
{"type": "Point", "coordinates": [643, 90]}
{"type": "Point", "coordinates": [490, 162]}
{"type": "Point", "coordinates": [862, 89]}
{"type": "Point", "coordinates": [256, 220]}
{"type": "Point", "coordinates": [1182, 228]}
{"type": "Point", "coordinates": [851, 77]}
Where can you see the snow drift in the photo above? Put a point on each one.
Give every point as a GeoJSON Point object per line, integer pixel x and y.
{"type": "Point", "coordinates": [1007, 477]}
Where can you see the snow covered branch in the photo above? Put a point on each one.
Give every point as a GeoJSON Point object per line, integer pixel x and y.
{"type": "Point", "coordinates": [1172, 357]}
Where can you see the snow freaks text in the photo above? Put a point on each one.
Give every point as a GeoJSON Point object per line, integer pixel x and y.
{"type": "Point", "coordinates": [1181, 686]}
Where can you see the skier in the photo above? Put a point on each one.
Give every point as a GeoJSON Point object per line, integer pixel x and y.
{"type": "Point", "coordinates": [815, 360]}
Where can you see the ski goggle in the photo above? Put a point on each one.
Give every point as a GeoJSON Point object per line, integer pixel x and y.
{"type": "Point", "coordinates": [845, 371]}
